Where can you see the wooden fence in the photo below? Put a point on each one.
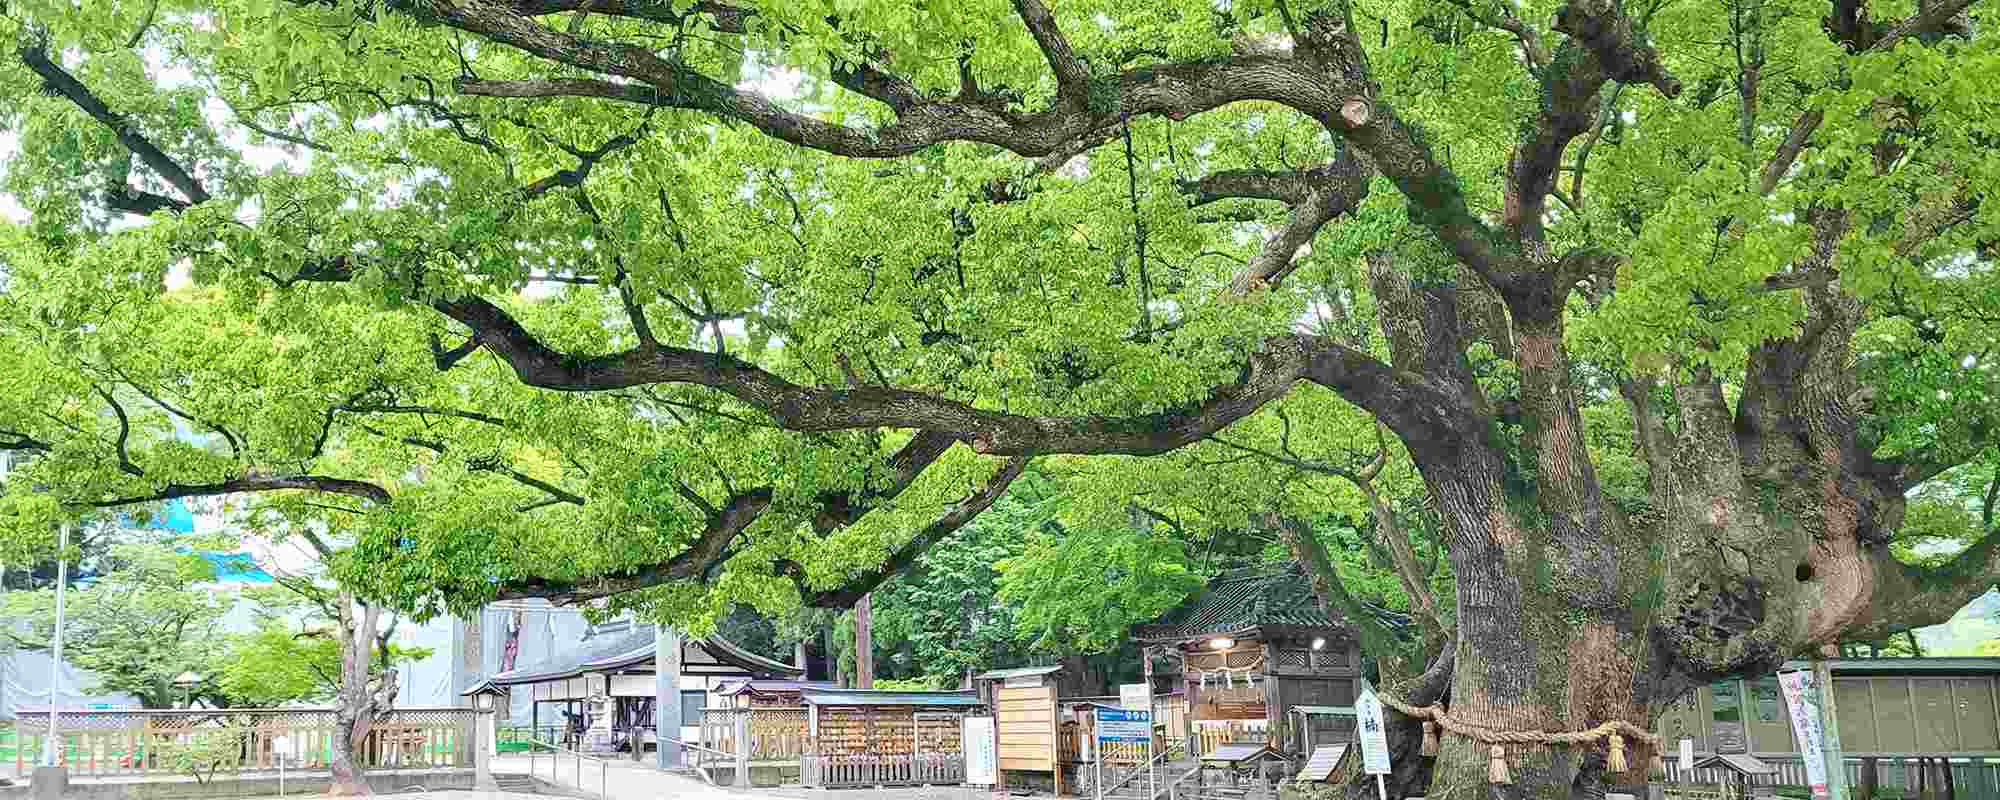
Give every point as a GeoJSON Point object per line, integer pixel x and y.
{"type": "Point", "coordinates": [225, 741]}
{"type": "Point", "coordinates": [833, 772]}
{"type": "Point", "coordinates": [1210, 734]}
{"type": "Point", "coordinates": [772, 734]}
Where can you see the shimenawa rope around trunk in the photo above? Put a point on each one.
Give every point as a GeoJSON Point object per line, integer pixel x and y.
{"type": "Point", "coordinates": [1617, 731]}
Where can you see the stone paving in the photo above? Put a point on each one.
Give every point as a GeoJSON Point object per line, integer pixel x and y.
{"type": "Point", "coordinates": [625, 780]}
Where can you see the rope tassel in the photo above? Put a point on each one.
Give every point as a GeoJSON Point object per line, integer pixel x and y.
{"type": "Point", "coordinates": [1430, 739]}
{"type": "Point", "coordinates": [1496, 772]}
{"type": "Point", "coordinates": [1658, 770]}
{"type": "Point", "coordinates": [1615, 762]}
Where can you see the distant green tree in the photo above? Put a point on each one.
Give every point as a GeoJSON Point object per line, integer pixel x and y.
{"type": "Point", "coordinates": [147, 619]}
{"type": "Point", "coordinates": [292, 656]}
{"type": "Point", "coordinates": [1080, 589]}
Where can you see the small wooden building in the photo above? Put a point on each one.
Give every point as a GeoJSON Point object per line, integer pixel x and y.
{"type": "Point", "coordinates": [866, 737]}
{"type": "Point", "coordinates": [1252, 645]}
{"type": "Point", "coordinates": [617, 660]}
{"type": "Point", "coordinates": [1748, 776]}
{"type": "Point", "coordinates": [1027, 724]}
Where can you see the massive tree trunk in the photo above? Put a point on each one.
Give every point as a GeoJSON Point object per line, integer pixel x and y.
{"type": "Point", "coordinates": [1764, 535]}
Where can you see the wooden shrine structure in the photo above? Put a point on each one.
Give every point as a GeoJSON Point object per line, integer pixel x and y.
{"type": "Point", "coordinates": [1251, 646]}
{"type": "Point", "coordinates": [618, 661]}
{"type": "Point", "coordinates": [866, 737]}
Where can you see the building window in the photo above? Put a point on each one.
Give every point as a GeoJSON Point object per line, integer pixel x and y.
{"type": "Point", "coordinates": [691, 705]}
{"type": "Point", "coordinates": [1765, 702]}
{"type": "Point", "coordinates": [1727, 707]}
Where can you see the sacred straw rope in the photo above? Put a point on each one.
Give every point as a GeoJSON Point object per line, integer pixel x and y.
{"type": "Point", "coordinates": [1616, 730]}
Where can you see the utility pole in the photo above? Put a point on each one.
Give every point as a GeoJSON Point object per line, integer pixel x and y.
{"type": "Point", "coordinates": [54, 741]}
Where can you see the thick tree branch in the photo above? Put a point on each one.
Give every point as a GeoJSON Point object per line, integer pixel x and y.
{"type": "Point", "coordinates": [1604, 47]}
{"type": "Point", "coordinates": [1072, 75]}
{"type": "Point", "coordinates": [706, 551]}
{"type": "Point", "coordinates": [722, 17]}
{"type": "Point", "coordinates": [1907, 597]}
{"type": "Point", "coordinates": [433, 411]}
{"type": "Point", "coordinates": [851, 590]}
{"type": "Point", "coordinates": [1603, 29]}
{"type": "Point", "coordinates": [1851, 32]}
{"type": "Point", "coordinates": [57, 79]}
{"type": "Point", "coordinates": [492, 464]}
{"type": "Point", "coordinates": [125, 464]}
{"type": "Point", "coordinates": [1336, 189]}
{"type": "Point", "coordinates": [255, 483]}
{"type": "Point", "coordinates": [1268, 374]}
{"type": "Point", "coordinates": [1345, 105]}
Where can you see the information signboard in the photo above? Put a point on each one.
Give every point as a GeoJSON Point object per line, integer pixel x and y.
{"type": "Point", "coordinates": [1374, 733]}
{"type": "Point", "coordinates": [982, 765]}
{"type": "Point", "coordinates": [1124, 725]}
{"type": "Point", "coordinates": [1135, 695]}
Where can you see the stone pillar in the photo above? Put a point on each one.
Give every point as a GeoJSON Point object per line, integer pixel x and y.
{"type": "Point", "coordinates": [482, 759]}
{"type": "Point", "coordinates": [667, 695]}
{"type": "Point", "coordinates": [48, 783]}
{"type": "Point", "coordinates": [742, 748]}
{"type": "Point", "coordinates": [864, 645]}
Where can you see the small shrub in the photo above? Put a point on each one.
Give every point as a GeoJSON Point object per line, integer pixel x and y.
{"type": "Point", "coordinates": [207, 751]}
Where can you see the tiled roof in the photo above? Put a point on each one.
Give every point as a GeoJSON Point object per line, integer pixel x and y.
{"type": "Point", "coordinates": [1740, 762]}
{"type": "Point", "coordinates": [1242, 599]}
{"type": "Point", "coordinates": [1017, 672]}
{"type": "Point", "coordinates": [627, 647]}
{"type": "Point", "coordinates": [884, 697]}
{"type": "Point", "coordinates": [734, 688]}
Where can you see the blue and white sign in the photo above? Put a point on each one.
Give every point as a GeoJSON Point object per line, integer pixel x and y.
{"type": "Point", "coordinates": [1374, 734]}
{"type": "Point", "coordinates": [1124, 725]}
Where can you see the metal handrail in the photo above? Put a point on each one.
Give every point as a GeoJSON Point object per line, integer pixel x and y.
{"type": "Point", "coordinates": [692, 746]}
{"type": "Point", "coordinates": [1139, 770]}
{"type": "Point", "coordinates": [603, 766]}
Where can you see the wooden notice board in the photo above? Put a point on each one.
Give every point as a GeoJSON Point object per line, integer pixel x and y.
{"type": "Point", "coordinates": [1026, 719]}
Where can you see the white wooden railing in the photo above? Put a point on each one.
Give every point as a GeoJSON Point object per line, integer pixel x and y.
{"type": "Point", "coordinates": [228, 741]}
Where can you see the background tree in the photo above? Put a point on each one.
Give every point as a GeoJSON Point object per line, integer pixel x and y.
{"type": "Point", "coordinates": [151, 615]}
{"type": "Point", "coordinates": [293, 654]}
{"type": "Point", "coordinates": [1668, 310]}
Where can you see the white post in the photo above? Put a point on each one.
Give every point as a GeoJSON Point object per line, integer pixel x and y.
{"type": "Point", "coordinates": [743, 747]}
{"type": "Point", "coordinates": [1152, 788]}
{"type": "Point", "coordinates": [54, 740]}
{"type": "Point", "coordinates": [1381, 788]}
{"type": "Point", "coordinates": [482, 759]}
{"type": "Point", "coordinates": [1099, 783]}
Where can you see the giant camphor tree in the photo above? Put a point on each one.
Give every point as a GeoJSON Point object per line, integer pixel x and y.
{"type": "Point", "coordinates": [1669, 306]}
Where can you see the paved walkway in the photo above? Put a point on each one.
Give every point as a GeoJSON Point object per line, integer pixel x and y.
{"type": "Point", "coordinates": [620, 779]}
{"type": "Point", "coordinates": [615, 779]}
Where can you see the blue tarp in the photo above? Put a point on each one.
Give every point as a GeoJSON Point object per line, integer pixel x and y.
{"type": "Point", "coordinates": [174, 516]}
{"type": "Point", "coordinates": [235, 567]}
